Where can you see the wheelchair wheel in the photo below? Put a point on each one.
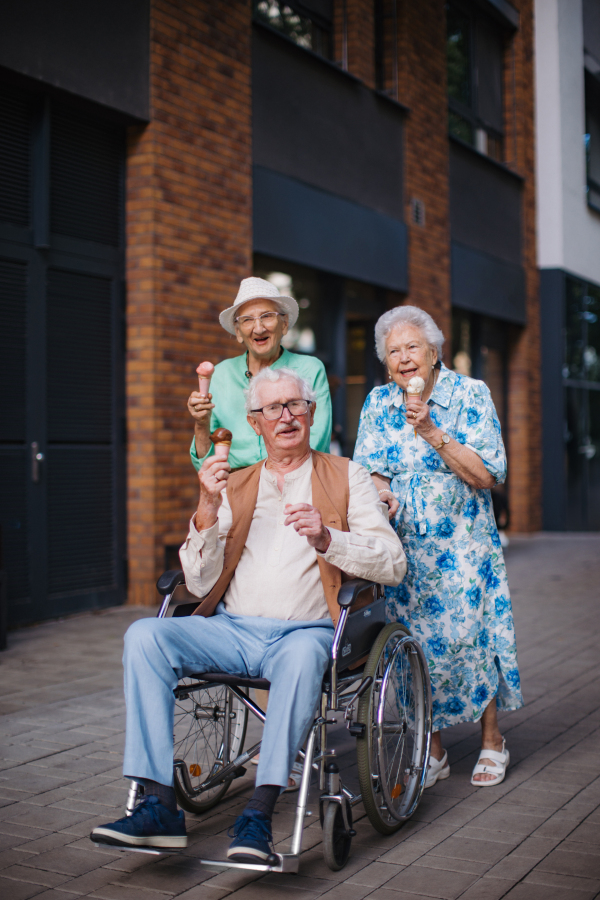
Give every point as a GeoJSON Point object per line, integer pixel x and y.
{"type": "Point", "coordinates": [201, 717]}
{"type": "Point", "coordinates": [336, 840]}
{"type": "Point", "coordinates": [393, 752]}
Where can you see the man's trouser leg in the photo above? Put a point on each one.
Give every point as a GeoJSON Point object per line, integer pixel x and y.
{"type": "Point", "coordinates": [157, 653]}
{"type": "Point", "coordinates": [295, 665]}
{"type": "Point", "coordinates": [292, 655]}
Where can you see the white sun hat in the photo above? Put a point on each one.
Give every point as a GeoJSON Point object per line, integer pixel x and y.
{"type": "Point", "coordinates": [258, 289]}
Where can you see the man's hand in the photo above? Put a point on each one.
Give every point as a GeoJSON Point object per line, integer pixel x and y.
{"type": "Point", "coordinates": [213, 477]}
{"type": "Point", "coordinates": [307, 521]}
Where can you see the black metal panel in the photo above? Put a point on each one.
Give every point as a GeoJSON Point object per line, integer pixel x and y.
{"type": "Point", "coordinates": [302, 224]}
{"type": "Point", "coordinates": [13, 346]}
{"type": "Point", "coordinates": [591, 27]}
{"type": "Point", "coordinates": [485, 204]}
{"type": "Point", "coordinates": [81, 535]}
{"type": "Point", "coordinates": [552, 303]}
{"type": "Point", "coordinates": [98, 49]}
{"type": "Point", "coordinates": [15, 157]}
{"type": "Point", "coordinates": [13, 523]}
{"type": "Point", "coordinates": [316, 124]}
{"type": "Point", "coordinates": [86, 159]}
{"type": "Point", "coordinates": [490, 52]}
{"type": "Point", "coordinates": [79, 358]}
{"type": "Point", "coordinates": [487, 285]}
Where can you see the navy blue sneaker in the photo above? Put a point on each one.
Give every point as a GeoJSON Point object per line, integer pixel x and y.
{"type": "Point", "coordinates": [252, 838]}
{"type": "Point", "coordinates": [150, 825]}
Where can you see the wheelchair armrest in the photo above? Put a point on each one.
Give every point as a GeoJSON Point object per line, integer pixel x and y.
{"type": "Point", "coordinates": [350, 591]}
{"type": "Point", "coordinates": [168, 581]}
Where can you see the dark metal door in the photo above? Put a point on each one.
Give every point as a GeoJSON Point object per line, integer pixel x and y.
{"type": "Point", "coordinates": [61, 359]}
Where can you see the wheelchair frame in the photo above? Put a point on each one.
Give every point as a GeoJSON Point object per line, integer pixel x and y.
{"type": "Point", "coordinates": [336, 697]}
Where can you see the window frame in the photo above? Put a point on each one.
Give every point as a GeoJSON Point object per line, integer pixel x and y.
{"type": "Point", "coordinates": [470, 114]}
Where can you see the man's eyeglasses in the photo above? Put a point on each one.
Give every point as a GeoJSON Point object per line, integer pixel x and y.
{"type": "Point", "coordinates": [275, 410]}
{"type": "Point", "coordinates": [267, 319]}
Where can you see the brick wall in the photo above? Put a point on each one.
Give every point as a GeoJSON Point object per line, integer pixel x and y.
{"type": "Point", "coordinates": [189, 242]}
{"type": "Point", "coordinates": [524, 407]}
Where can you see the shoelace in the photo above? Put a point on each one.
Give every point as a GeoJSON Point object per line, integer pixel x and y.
{"type": "Point", "coordinates": [252, 829]}
{"type": "Point", "coordinates": [143, 811]}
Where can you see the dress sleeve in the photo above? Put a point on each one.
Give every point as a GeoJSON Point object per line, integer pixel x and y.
{"type": "Point", "coordinates": [320, 433]}
{"type": "Point", "coordinates": [478, 428]}
{"type": "Point", "coordinates": [371, 449]}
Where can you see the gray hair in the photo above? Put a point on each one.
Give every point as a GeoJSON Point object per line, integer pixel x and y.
{"type": "Point", "coordinates": [407, 315]}
{"type": "Point", "coordinates": [273, 375]}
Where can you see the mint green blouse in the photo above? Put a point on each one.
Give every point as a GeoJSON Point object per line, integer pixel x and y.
{"type": "Point", "coordinates": [227, 389]}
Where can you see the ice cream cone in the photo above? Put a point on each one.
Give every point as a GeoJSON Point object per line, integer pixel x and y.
{"type": "Point", "coordinates": [205, 371]}
{"type": "Point", "coordinates": [415, 388]}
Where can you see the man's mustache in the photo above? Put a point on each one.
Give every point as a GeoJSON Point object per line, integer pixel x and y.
{"type": "Point", "coordinates": [295, 424]}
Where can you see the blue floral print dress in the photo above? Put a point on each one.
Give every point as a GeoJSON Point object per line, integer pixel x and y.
{"type": "Point", "coordinates": [455, 597]}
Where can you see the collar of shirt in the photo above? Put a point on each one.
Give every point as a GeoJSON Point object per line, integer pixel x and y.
{"type": "Point", "coordinates": [289, 476]}
{"type": "Point", "coordinates": [441, 393]}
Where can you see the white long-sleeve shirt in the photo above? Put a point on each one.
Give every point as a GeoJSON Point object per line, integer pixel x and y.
{"type": "Point", "coordinates": [277, 575]}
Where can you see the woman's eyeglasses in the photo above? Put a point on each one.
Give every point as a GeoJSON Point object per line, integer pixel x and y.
{"type": "Point", "coordinates": [268, 319]}
{"type": "Point", "coordinates": [275, 410]}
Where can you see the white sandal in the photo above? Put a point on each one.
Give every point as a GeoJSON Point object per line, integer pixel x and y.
{"type": "Point", "coordinates": [296, 777]}
{"type": "Point", "coordinates": [437, 770]}
{"type": "Point", "coordinates": [498, 769]}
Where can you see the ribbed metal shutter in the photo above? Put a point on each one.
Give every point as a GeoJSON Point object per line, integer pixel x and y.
{"type": "Point", "coordinates": [15, 157]}
{"type": "Point", "coordinates": [86, 159]}
{"type": "Point", "coordinates": [13, 458]}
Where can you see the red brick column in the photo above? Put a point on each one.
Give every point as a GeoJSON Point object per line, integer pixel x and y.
{"type": "Point", "coordinates": [422, 87]}
{"type": "Point", "coordinates": [189, 242]}
{"type": "Point", "coordinates": [524, 401]}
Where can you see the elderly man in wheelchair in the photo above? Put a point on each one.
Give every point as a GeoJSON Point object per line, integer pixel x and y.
{"type": "Point", "coordinates": [269, 551]}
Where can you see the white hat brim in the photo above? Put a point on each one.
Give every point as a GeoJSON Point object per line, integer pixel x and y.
{"type": "Point", "coordinates": [288, 305]}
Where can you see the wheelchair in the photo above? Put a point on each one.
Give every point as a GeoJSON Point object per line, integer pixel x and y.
{"type": "Point", "coordinates": [378, 678]}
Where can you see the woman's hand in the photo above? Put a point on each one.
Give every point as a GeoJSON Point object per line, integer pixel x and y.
{"type": "Point", "coordinates": [200, 408]}
{"type": "Point", "coordinates": [385, 494]}
{"type": "Point", "coordinates": [417, 415]}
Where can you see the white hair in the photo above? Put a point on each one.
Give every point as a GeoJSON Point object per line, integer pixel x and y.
{"type": "Point", "coordinates": [407, 315]}
{"type": "Point", "coordinates": [305, 391]}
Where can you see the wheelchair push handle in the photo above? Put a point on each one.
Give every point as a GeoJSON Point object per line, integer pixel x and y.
{"type": "Point", "coordinates": [350, 591]}
{"type": "Point", "coordinates": [169, 580]}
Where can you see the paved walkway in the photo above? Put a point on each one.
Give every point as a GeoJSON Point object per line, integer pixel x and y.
{"type": "Point", "coordinates": [535, 837]}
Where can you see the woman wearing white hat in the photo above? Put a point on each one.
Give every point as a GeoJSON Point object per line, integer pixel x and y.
{"type": "Point", "coordinates": [259, 318]}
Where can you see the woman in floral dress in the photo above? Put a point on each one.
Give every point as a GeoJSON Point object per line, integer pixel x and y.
{"type": "Point", "coordinates": [434, 458]}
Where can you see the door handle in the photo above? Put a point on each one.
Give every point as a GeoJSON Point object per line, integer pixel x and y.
{"type": "Point", "coordinates": [36, 459]}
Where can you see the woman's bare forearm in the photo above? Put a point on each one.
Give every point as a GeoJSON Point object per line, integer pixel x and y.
{"type": "Point", "coordinates": [464, 462]}
{"type": "Point", "coordinates": [202, 440]}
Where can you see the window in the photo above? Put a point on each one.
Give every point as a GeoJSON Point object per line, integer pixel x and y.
{"type": "Point", "coordinates": [386, 47]}
{"type": "Point", "coordinates": [475, 50]}
{"type": "Point", "coordinates": [592, 140]}
{"type": "Point", "coordinates": [308, 25]}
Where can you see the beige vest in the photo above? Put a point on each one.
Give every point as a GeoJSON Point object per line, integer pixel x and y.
{"type": "Point", "coordinates": [330, 495]}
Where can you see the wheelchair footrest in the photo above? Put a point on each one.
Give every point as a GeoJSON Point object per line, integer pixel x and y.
{"type": "Point", "coordinates": [152, 851]}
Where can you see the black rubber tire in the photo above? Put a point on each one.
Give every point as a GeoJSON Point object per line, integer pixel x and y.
{"type": "Point", "coordinates": [384, 821]}
{"type": "Point", "coordinates": [197, 738]}
{"type": "Point", "coordinates": [336, 842]}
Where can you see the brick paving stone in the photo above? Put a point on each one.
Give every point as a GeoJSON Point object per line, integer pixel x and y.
{"type": "Point", "coordinates": [571, 862]}
{"type": "Point", "coordinates": [432, 882]}
{"type": "Point", "coordinates": [546, 892]}
{"type": "Point", "coordinates": [375, 874]}
{"type": "Point", "coordinates": [202, 892]}
{"type": "Point", "coordinates": [487, 889]}
{"type": "Point", "coordinates": [67, 861]}
{"type": "Point", "coordinates": [570, 882]}
{"type": "Point", "coordinates": [18, 890]}
{"type": "Point", "coordinates": [471, 866]}
{"type": "Point", "coordinates": [34, 876]}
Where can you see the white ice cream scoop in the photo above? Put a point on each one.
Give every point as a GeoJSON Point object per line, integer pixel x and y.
{"type": "Point", "coordinates": [416, 385]}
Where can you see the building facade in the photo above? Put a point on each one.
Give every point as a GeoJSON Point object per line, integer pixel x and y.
{"type": "Point", "coordinates": [361, 154]}
{"type": "Point", "coordinates": [567, 42]}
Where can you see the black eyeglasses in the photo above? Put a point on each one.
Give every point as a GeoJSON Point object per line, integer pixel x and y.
{"type": "Point", "coordinates": [275, 410]}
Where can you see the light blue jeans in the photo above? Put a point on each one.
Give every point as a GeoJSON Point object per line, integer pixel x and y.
{"type": "Point", "coordinates": [292, 655]}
